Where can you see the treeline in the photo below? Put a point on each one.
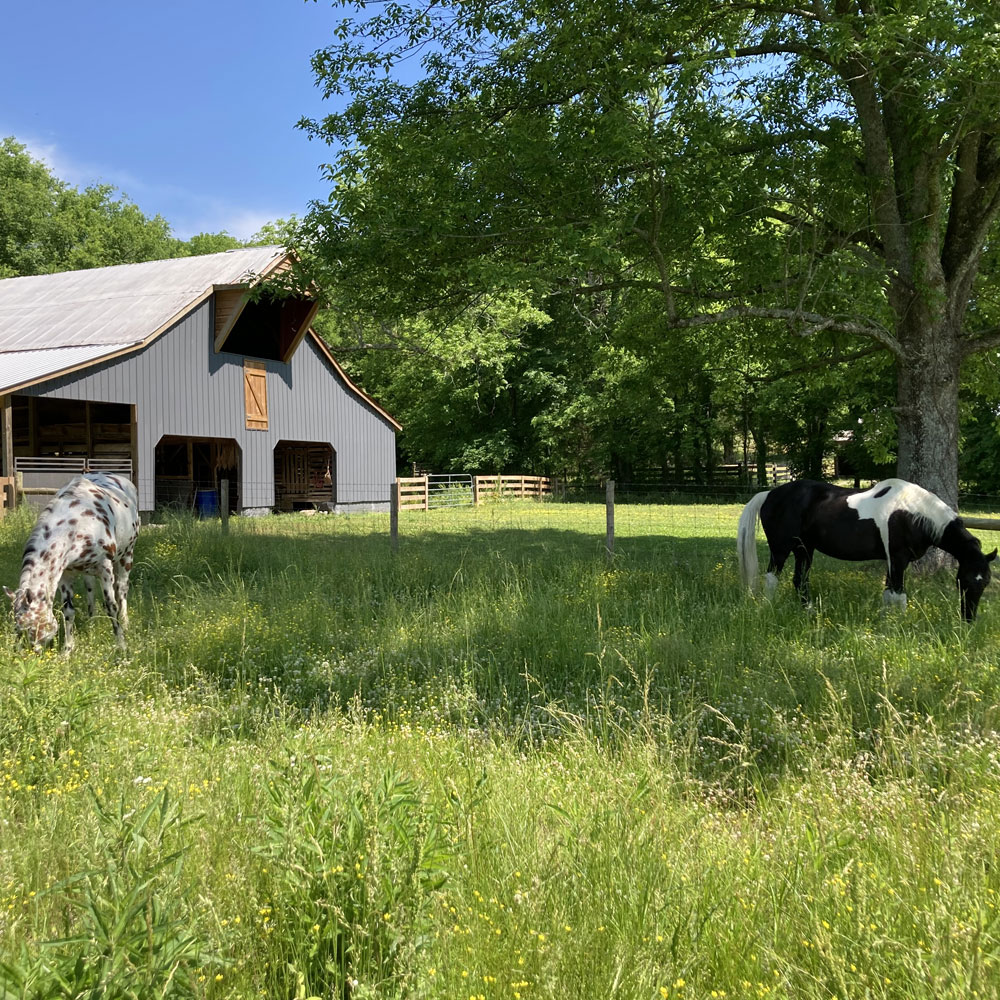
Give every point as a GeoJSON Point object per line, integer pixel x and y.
{"type": "Point", "coordinates": [48, 225]}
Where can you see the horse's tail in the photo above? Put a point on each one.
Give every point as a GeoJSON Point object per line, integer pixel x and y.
{"type": "Point", "coordinates": [746, 539]}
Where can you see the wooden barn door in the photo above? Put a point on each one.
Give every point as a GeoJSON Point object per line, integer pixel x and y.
{"type": "Point", "coordinates": [255, 394]}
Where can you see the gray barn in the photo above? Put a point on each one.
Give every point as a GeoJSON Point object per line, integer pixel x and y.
{"type": "Point", "coordinates": [173, 372]}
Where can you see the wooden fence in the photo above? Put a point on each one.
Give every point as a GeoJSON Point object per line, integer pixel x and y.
{"type": "Point", "coordinates": [520, 487]}
{"type": "Point", "coordinates": [426, 492]}
{"type": "Point", "coordinates": [8, 496]}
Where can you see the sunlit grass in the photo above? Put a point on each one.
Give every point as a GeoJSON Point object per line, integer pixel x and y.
{"type": "Point", "coordinates": [496, 765]}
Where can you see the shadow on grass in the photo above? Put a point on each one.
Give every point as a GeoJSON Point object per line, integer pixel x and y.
{"type": "Point", "coordinates": [525, 630]}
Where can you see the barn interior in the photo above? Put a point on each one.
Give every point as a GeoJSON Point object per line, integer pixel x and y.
{"type": "Point", "coordinates": [190, 470]}
{"type": "Point", "coordinates": [71, 428]}
{"type": "Point", "coordinates": [266, 327]}
{"type": "Point", "coordinates": [305, 475]}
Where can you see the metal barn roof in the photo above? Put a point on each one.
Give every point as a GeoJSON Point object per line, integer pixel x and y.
{"type": "Point", "coordinates": [50, 322]}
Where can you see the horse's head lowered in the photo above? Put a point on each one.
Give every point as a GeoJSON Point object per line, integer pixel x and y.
{"type": "Point", "coordinates": [33, 616]}
{"type": "Point", "coordinates": [973, 576]}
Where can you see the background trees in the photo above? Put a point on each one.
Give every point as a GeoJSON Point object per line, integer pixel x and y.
{"type": "Point", "coordinates": [48, 225]}
{"type": "Point", "coordinates": [833, 169]}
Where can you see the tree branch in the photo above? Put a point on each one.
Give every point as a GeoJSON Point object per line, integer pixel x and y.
{"type": "Point", "coordinates": [804, 324]}
{"type": "Point", "coordinates": [982, 341]}
{"type": "Point", "coordinates": [749, 51]}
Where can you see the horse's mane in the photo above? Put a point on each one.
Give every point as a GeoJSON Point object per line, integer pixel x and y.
{"type": "Point", "coordinates": [929, 511]}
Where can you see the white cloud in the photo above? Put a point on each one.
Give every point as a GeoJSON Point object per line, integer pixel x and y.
{"type": "Point", "coordinates": [215, 217]}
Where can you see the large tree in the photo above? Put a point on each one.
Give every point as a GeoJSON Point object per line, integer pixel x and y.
{"type": "Point", "coordinates": [831, 166]}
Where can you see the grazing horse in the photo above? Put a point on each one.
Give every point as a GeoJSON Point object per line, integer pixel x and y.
{"type": "Point", "coordinates": [894, 520]}
{"type": "Point", "coordinates": [90, 527]}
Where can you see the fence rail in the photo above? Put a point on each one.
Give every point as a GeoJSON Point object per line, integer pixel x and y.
{"type": "Point", "coordinates": [69, 466]}
{"type": "Point", "coordinates": [435, 491]}
{"type": "Point", "coordinates": [512, 486]}
{"type": "Point", "coordinates": [772, 474]}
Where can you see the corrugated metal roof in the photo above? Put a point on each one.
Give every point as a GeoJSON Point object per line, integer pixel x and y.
{"type": "Point", "coordinates": [23, 367]}
{"type": "Point", "coordinates": [113, 306]}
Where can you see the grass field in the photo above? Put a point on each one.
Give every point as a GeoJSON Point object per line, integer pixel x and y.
{"type": "Point", "coordinates": [490, 767]}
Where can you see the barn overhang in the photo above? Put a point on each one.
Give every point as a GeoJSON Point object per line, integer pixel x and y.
{"type": "Point", "coordinates": [258, 324]}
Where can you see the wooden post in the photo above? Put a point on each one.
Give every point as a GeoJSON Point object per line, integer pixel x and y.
{"type": "Point", "coordinates": [427, 492]}
{"type": "Point", "coordinates": [609, 543]}
{"type": "Point", "coordinates": [32, 427]}
{"type": "Point", "coordinates": [475, 491]}
{"type": "Point", "coordinates": [394, 515]}
{"type": "Point", "coordinates": [224, 504]}
{"type": "Point", "coordinates": [88, 432]}
{"type": "Point", "coordinates": [133, 442]}
{"type": "Point", "coordinates": [6, 436]}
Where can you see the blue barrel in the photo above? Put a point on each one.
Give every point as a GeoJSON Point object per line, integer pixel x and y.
{"type": "Point", "coordinates": [206, 503]}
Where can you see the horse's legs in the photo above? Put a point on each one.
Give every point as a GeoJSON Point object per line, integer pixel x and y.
{"type": "Point", "coordinates": [106, 575]}
{"type": "Point", "coordinates": [894, 593]}
{"type": "Point", "coordinates": [121, 590]}
{"type": "Point", "coordinates": [88, 583]}
{"type": "Point", "coordinates": [774, 565]}
{"type": "Point", "coordinates": [69, 613]}
{"type": "Point", "coordinates": [803, 562]}
{"type": "Point", "coordinates": [123, 567]}
{"type": "Point", "coordinates": [779, 553]}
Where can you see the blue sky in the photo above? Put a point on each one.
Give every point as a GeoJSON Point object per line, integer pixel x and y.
{"type": "Point", "coordinates": [187, 106]}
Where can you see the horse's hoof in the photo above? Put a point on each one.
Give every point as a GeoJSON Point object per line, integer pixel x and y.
{"type": "Point", "coordinates": [892, 600]}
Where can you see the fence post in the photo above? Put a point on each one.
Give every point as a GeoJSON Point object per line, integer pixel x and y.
{"type": "Point", "coordinates": [394, 515]}
{"type": "Point", "coordinates": [427, 492]}
{"type": "Point", "coordinates": [224, 504]}
{"type": "Point", "coordinates": [609, 543]}
{"type": "Point", "coordinates": [475, 491]}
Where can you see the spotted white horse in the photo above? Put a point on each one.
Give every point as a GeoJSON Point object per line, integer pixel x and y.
{"type": "Point", "coordinates": [89, 528]}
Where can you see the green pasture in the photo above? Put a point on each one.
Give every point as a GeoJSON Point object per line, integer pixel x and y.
{"type": "Point", "coordinates": [492, 766]}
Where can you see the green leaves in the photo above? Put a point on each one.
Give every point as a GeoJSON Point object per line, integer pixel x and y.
{"type": "Point", "coordinates": [131, 935]}
{"type": "Point", "coordinates": [352, 861]}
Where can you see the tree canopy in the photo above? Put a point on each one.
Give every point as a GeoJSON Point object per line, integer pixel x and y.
{"type": "Point", "coordinates": [827, 172]}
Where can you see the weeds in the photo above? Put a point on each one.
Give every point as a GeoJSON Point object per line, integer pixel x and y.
{"type": "Point", "coordinates": [492, 766]}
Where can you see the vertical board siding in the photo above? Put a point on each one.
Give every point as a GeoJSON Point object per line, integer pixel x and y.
{"type": "Point", "coordinates": [180, 386]}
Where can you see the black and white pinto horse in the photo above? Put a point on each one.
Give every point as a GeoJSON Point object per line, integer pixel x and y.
{"type": "Point", "coordinates": [89, 528]}
{"type": "Point", "coordinates": [894, 520]}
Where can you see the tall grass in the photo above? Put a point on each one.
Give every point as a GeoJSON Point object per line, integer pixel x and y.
{"type": "Point", "coordinates": [494, 766]}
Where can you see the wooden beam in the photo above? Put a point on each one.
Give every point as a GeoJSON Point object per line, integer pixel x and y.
{"type": "Point", "coordinates": [32, 425]}
{"type": "Point", "coordinates": [133, 442]}
{"type": "Point", "coordinates": [982, 523]}
{"type": "Point", "coordinates": [297, 325]}
{"type": "Point", "coordinates": [7, 435]}
{"type": "Point", "coordinates": [229, 304]}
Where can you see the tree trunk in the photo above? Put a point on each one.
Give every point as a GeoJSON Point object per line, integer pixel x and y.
{"type": "Point", "coordinates": [760, 446]}
{"type": "Point", "coordinates": [927, 411]}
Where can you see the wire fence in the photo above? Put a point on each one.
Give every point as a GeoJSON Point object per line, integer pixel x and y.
{"type": "Point", "coordinates": [603, 509]}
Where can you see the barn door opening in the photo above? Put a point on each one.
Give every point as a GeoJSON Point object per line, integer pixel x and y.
{"type": "Point", "coordinates": [189, 472]}
{"type": "Point", "coordinates": [305, 475]}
